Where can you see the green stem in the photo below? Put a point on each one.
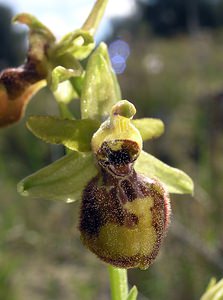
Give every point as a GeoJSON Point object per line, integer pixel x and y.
{"type": "Point", "coordinates": [118, 283]}
{"type": "Point", "coordinates": [64, 111]}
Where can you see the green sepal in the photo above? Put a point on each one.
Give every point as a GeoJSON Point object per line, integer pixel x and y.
{"type": "Point", "coordinates": [132, 294]}
{"type": "Point", "coordinates": [74, 134]}
{"type": "Point", "coordinates": [95, 16]}
{"type": "Point", "coordinates": [79, 43]}
{"type": "Point", "coordinates": [100, 90]}
{"type": "Point", "coordinates": [175, 180]}
{"type": "Point", "coordinates": [64, 179]}
{"type": "Point", "coordinates": [214, 290]}
{"type": "Point", "coordinates": [149, 128]}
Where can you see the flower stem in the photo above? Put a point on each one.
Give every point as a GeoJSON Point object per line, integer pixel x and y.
{"type": "Point", "coordinates": [64, 111]}
{"type": "Point", "coordinates": [118, 283]}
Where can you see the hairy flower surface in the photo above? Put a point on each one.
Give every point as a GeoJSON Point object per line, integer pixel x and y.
{"type": "Point", "coordinates": [124, 215]}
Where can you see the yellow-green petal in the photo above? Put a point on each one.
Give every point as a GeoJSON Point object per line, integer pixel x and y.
{"type": "Point", "coordinates": [64, 179]}
{"type": "Point", "coordinates": [74, 134]}
{"type": "Point", "coordinates": [149, 128]}
{"type": "Point", "coordinates": [175, 180]}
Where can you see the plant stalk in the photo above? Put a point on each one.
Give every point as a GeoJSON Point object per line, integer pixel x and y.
{"type": "Point", "coordinates": [118, 283]}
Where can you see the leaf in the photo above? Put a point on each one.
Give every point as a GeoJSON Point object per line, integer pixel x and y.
{"type": "Point", "coordinates": [64, 179]}
{"type": "Point", "coordinates": [149, 128]}
{"type": "Point", "coordinates": [176, 181]}
{"type": "Point", "coordinates": [214, 291]}
{"type": "Point", "coordinates": [95, 16]}
{"type": "Point", "coordinates": [133, 293]}
{"type": "Point", "coordinates": [74, 134]}
{"type": "Point", "coordinates": [100, 90]}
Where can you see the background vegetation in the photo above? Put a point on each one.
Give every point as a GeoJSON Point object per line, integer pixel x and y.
{"type": "Point", "coordinates": [174, 72]}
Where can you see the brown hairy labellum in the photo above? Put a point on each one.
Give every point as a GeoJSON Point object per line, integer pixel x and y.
{"type": "Point", "coordinates": [124, 215]}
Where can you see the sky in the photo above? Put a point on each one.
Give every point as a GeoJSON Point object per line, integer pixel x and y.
{"type": "Point", "coordinates": [62, 16]}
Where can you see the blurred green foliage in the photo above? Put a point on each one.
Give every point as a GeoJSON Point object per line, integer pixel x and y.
{"type": "Point", "coordinates": [178, 80]}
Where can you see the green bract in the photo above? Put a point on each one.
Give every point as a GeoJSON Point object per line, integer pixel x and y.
{"type": "Point", "coordinates": [100, 87]}
{"type": "Point", "coordinates": [94, 18]}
